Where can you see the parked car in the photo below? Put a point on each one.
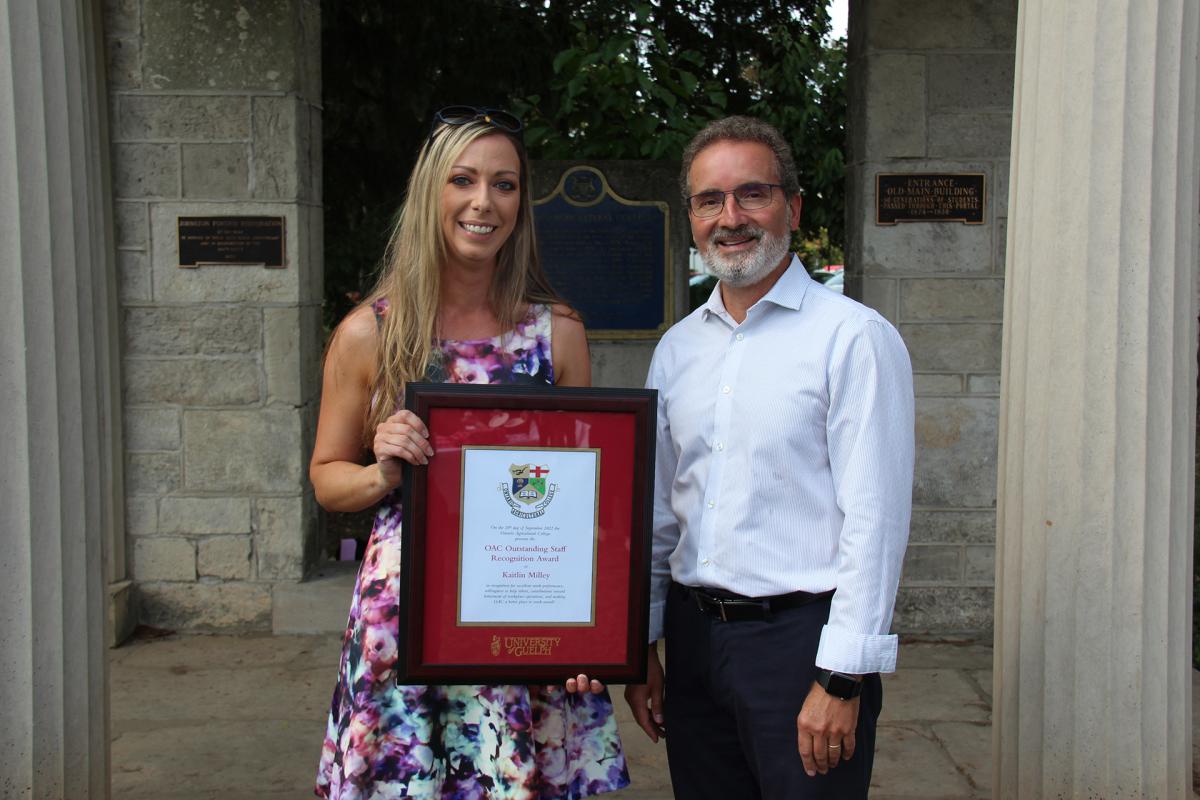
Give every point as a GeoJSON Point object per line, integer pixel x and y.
{"type": "Point", "coordinates": [833, 281]}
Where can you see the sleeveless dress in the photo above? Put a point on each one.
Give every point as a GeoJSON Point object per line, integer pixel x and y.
{"type": "Point", "coordinates": [386, 741]}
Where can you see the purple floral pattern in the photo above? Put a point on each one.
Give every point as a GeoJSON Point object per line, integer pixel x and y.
{"type": "Point", "coordinates": [386, 741]}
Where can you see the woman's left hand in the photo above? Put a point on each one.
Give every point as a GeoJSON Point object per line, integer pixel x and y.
{"type": "Point", "coordinates": [580, 683]}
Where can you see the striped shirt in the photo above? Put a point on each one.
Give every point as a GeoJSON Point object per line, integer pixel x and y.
{"type": "Point", "coordinates": [785, 460]}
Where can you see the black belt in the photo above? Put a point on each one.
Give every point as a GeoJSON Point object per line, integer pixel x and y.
{"type": "Point", "coordinates": [730, 607]}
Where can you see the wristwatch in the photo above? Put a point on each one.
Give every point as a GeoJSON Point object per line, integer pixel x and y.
{"type": "Point", "coordinates": [839, 684]}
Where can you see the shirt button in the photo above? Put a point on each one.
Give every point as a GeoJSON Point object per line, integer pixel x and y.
{"type": "Point", "coordinates": [739, 337]}
{"type": "Point", "coordinates": [720, 445]}
{"type": "Point", "coordinates": [711, 504]}
{"type": "Point", "coordinates": [725, 390]}
{"type": "Point", "coordinates": [704, 562]}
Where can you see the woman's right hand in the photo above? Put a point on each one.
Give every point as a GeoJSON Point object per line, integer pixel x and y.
{"type": "Point", "coordinates": [401, 437]}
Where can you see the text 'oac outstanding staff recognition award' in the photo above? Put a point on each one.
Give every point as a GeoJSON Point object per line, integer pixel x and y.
{"type": "Point", "coordinates": [529, 536]}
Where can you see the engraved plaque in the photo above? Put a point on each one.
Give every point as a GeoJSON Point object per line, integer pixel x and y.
{"type": "Point", "coordinates": [606, 255]}
{"type": "Point", "coordinates": [929, 197]}
{"type": "Point", "coordinates": [232, 241]}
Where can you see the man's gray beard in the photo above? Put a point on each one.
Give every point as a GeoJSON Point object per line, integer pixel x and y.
{"type": "Point", "coordinates": [747, 269]}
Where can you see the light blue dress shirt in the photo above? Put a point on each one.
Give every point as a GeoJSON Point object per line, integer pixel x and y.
{"type": "Point", "coordinates": [785, 460]}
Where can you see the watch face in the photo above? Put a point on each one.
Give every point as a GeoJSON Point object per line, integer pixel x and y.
{"type": "Point", "coordinates": [840, 686]}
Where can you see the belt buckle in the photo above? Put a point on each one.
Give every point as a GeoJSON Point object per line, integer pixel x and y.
{"type": "Point", "coordinates": [721, 605]}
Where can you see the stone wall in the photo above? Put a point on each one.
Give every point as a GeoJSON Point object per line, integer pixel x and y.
{"type": "Point", "coordinates": [931, 91]}
{"type": "Point", "coordinates": [214, 110]}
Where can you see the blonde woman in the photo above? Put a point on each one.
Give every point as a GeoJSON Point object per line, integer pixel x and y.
{"type": "Point", "coordinates": [462, 299]}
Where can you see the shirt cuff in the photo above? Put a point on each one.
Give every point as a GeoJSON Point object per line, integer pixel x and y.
{"type": "Point", "coordinates": [841, 650]}
{"type": "Point", "coordinates": [656, 621]}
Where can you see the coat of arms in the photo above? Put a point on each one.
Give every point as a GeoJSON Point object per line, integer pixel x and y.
{"type": "Point", "coordinates": [528, 492]}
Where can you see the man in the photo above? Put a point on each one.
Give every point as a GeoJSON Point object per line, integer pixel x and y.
{"type": "Point", "coordinates": [782, 500]}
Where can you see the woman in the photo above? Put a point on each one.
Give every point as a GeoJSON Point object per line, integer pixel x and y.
{"type": "Point", "coordinates": [462, 299]}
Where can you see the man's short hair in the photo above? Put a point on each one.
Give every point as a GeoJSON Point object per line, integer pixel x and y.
{"type": "Point", "coordinates": [742, 129]}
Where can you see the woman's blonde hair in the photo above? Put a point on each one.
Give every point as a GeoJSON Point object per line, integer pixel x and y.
{"type": "Point", "coordinates": [410, 280]}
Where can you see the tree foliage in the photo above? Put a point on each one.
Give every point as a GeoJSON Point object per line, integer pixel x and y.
{"type": "Point", "coordinates": [591, 78]}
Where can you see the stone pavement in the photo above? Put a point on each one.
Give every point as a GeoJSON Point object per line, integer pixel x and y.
{"type": "Point", "coordinates": [240, 717]}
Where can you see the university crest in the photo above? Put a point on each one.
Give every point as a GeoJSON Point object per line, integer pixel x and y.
{"type": "Point", "coordinates": [528, 492]}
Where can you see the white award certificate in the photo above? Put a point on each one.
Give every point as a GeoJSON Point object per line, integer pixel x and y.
{"type": "Point", "coordinates": [527, 547]}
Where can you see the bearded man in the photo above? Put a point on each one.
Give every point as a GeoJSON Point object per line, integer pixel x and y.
{"type": "Point", "coordinates": [782, 501]}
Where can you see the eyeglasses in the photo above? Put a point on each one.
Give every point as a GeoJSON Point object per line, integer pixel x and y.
{"type": "Point", "coordinates": [464, 115]}
{"type": "Point", "coordinates": [749, 197]}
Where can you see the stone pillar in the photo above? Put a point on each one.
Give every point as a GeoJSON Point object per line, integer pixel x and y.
{"type": "Point", "coordinates": [1097, 426]}
{"type": "Point", "coordinates": [215, 112]}
{"type": "Point", "coordinates": [930, 91]}
{"type": "Point", "coordinates": [56, 391]}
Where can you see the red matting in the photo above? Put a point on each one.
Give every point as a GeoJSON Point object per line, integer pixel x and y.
{"type": "Point", "coordinates": [434, 647]}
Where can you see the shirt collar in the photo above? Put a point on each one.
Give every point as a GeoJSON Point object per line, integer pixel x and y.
{"type": "Point", "coordinates": [788, 291]}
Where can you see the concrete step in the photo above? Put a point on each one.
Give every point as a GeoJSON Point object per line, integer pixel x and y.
{"type": "Point", "coordinates": [319, 604]}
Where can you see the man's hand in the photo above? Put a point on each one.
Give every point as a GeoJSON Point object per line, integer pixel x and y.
{"type": "Point", "coordinates": [824, 730]}
{"type": "Point", "coordinates": [646, 699]}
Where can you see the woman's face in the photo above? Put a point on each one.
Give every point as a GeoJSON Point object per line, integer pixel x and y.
{"type": "Point", "coordinates": [480, 201]}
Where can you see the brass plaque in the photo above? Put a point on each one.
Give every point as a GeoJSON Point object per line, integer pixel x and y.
{"type": "Point", "coordinates": [232, 241]}
{"type": "Point", "coordinates": [930, 197]}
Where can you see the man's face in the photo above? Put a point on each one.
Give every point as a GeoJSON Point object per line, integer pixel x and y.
{"type": "Point", "coordinates": [741, 247]}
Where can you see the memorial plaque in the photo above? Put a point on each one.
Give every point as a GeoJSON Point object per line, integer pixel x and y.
{"type": "Point", "coordinates": [929, 197]}
{"type": "Point", "coordinates": [606, 255]}
{"type": "Point", "coordinates": [232, 241]}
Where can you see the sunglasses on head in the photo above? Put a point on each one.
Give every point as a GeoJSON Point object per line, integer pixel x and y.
{"type": "Point", "coordinates": [464, 115]}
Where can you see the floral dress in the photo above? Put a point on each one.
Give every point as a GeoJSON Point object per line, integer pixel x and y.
{"type": "Point", "coordinates": [386, 741]}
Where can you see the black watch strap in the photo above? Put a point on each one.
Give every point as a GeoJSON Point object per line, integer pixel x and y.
{"type": "Point", "coordinates": [838, 684]}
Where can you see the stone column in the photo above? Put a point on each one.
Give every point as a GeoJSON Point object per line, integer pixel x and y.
{"type": "Point", "coordinates": [56, 392]}
{"type": "Point", "coordinates": [1097, 421]}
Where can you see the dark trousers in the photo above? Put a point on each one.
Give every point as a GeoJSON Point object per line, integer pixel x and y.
{"type": "Point", "coordinates": [733, 692]}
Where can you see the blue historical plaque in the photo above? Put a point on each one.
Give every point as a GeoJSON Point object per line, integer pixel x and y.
{"type": "Point", "coordinates": [606, 255]}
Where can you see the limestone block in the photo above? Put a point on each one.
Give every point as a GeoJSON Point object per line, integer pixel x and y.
{"type": "Point", "coordinates": [939, 525]}
{"type": "Point", "coordinates": [856, 105]}
{"type": "Point", "coordinates": [970, 135]}
{"type": "Point", "coordinates": [983, 384]}
{"type": "Point", "coordinates": [937, 347]}
{"type": "Point", "coordinates": [621, 364]}
{"type": "Point", "coordinates": [926, 384]}
{"type": "Point", "coordinates": [206, 382]}
{"type": "Point", "coordinates": [133, 271]}
{"type": "Point", "coordinates": [152, 473]}
{"type": "Point", "coordinates": [224, 557]}
{"type": "Point", "coordinates": [164, 558]}
{"type": "Point", "coordinates": [943, 609]}
{"type": "Point", "coordinates": [278, 537]}
{"type": "Point", "coordinates": [123, 60]}
{"type": "Point", "coordinates": [971, 81]}
{"type": "Point", "coordinates": [1001, 245]}
{"type": "Point", "coordinates": [309, 52]}
{"type": "Point", "coordinates": [956, 452]}
{"type": "Point", "coordinates": [206, 606]}
{"type": "Point", "coordinates": [151, 428]}
{"type": "Point", "coordinates": [221, 284]}
{"type": "Point", "coordinates": [243, 451]}
{"type": "Point", "coordinates": [316, 159]}
{"type": "Point", "coordinates": [187, 117]}
{"type": "Point", "coordinates": [230, 44]}
{"type": "Point", "coordinates": [278, 157]}
{"type": "Point", "coordinates": [219, 171]}
{"type": "Point", "coordinates": [938, 25]}
{"type": "Point", "coordinates": [980, 565]}
{"type": "Point", "coordinates": [932, 563]}
{"type": "Point", "coordinates": [922, 248]}
{"type": "Point", "coordinates": [204, 515]}
{"type": "Point", "coordinates": [141, 515]}
{"type": "Point", "coordinates": [880, 294]}
{"type": "Point", "coordinates": [131, 221]}
{"type": "Point", "coordinates": [122, 17]}
{"type": "Point", "coordinates": [1000, 191]}
{"type": "Point", "coordinates": [952, 299]}
{"type": "Point", "coordinates": [281, 354]}
{"type": "Point", "coordinates": [312, 266]}
{"type": "Point", "coordinates": [894, 115]}
{"type": "Point", "coordinates": [191, 330]}
{"type": "Point", "coordinates": [145, 170]}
